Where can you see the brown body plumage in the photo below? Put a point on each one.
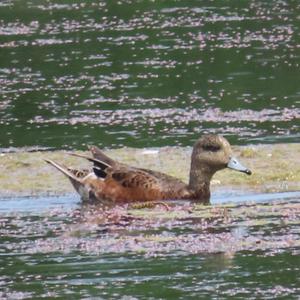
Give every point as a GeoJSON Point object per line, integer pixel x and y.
{"type": "Point", "coordinates": [114, 182]}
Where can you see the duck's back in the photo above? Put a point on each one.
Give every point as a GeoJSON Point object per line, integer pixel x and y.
{"type": "Point", "coordinates": [127, 184]}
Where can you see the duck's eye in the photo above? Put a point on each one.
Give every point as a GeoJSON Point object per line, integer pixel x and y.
{"type": "Point", "coordinates": [212, 148]}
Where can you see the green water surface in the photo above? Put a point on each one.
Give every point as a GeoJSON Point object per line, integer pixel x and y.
{"type": "Point", "coordinates": [147, 73]}
{"type": "Point", "coordinates": [53, 248]}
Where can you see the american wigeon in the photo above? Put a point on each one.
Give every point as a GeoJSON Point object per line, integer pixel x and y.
{"type": "Point", "coordinates": [114, 182]}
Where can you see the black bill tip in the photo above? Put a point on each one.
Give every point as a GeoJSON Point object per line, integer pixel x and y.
{"type": "Point", "coordinates": [234, 164]}
{"type": "Point", "coordinates": [248, 172]}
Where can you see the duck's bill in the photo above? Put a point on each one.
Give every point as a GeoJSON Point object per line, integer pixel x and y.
{"type": "Point", "coordinates": [234, 164]}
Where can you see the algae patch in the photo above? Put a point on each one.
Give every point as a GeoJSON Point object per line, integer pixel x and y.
{"type": "Point", "coordinates": [275, 168]}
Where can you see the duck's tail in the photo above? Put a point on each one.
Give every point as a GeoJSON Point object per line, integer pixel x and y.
{"type": "Point", "coordinates": [99, 155]}
{"type": "Point", "coordinates": [75, 180]}
{"type": "Point", "coordinates": [100, 167]}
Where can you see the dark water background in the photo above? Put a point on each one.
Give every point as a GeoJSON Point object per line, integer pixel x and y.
{"type": "Point", "coordinates": [148, 73]}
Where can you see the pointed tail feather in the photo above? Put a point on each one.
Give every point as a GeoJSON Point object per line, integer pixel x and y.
{"type": "Point", "coordinates": [98, 163]}
{"type": "Point", "coordinates": [99, 154]}
{"type": "Point", "coordinates": [76, 182]}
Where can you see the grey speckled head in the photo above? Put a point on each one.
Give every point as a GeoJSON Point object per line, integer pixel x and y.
{"type": "Point", "coordinates": [212, 153]}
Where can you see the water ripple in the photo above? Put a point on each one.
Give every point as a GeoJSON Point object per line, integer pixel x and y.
{"type": "Point", "coordinates": [196, 67]}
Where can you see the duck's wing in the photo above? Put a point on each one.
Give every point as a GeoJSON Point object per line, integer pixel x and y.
{"type": "Point", "coordinates": [99, 155]}
{"type": "Point", "coordinates": [100, 167]}
{"type": "Point", "coordinates": [165, 178]}
{"type": "Point", "coordinates": [145, 185]}
{"type": "Point", "coordinates": [129, 176]}
{"type": "Point", "coordinates": [122, 174]}
{"type": "Point", "coordinates": [145, 173]}
{"type": "Point", "coordinates": [141, 182]}
{"type": "Point", "coordinates": [134, 178]}
{"type": "Point", "coordinates": [122, 182]}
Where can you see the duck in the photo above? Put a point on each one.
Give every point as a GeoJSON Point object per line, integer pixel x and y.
{"type": "Point", "coordinates": [113, 182]}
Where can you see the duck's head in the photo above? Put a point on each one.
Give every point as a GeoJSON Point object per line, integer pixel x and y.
{"type": "Point", "coordinates": [212, 153]}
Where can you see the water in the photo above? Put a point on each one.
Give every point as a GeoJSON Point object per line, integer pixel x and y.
{"type": "Point", "coordinates": [247, 247]}
{"type": "Point", "coordinates": [147, 73]}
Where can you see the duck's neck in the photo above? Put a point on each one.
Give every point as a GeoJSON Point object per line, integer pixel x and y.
{"type": "Point", "coordinates": [200, 177]}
